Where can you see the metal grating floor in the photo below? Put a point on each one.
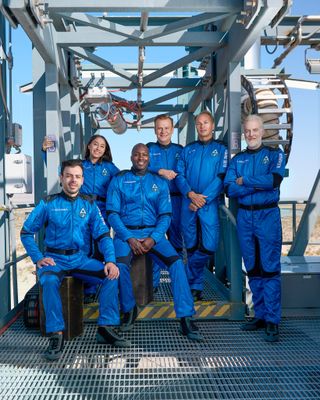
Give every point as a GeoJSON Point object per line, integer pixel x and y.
{"type": "Point", "coordinates": [210, 292]}
{"type": "Point", "coordinates": [161, 364]}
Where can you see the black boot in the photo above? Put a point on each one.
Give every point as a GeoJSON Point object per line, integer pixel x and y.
{"type": "Point", "coordinates": [197, 294]}
{"type": "Point", "coordinates": [253, 325]}
{"type": "Point", "coordinates": [271, 332]}
{"type": "Point", "coordinates": [188, 328]}
{"type": "Point", "coordinates": [128, 319]}
{"type": "Point", "coordinates": [55, 348]}
{"type": "Point", "coordinates": [106, 335]}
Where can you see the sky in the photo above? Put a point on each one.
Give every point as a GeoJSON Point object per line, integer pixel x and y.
{"type": "Point", "coordinates": [304, 161]}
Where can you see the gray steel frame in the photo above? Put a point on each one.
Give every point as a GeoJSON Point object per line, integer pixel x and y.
{"type": "Point", "coordinates": [61, 30]}
{"type": "Point", "coordinates": [5, 303]}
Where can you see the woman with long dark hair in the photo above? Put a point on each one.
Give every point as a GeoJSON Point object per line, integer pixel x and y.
{"type": "Point", "coordinates": [98, 170]}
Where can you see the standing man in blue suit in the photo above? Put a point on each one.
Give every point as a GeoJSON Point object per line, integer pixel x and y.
{"type": "Point", "coordinates": [254, 177]}
{"type": "Point", "coordinates": [201, 169]}
{"type": "Point", "coordinates": [139, 209]}
{"type": "Point", "coordinates": [164, 156]}
{"type": "Point", "coordinates": [69, 219]}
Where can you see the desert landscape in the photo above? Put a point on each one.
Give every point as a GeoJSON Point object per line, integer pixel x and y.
{"type": "Point", "coordinates": [26, 269]}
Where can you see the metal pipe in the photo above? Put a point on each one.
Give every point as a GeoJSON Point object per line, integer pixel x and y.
{"type": "Point", "coordinates": [12, 229]}
{"type": "Point", "coordinates": [296, 37]}
{"type": "Point", "coordinates": [18, 259]}
{"type": "Point", "coordinates": [141, 59]}
{"type": "Point", "coordinates": [10, 66]}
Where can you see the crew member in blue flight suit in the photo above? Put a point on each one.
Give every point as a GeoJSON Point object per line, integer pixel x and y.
{"type": "Point", "coordinates": [139, 209]}
{"type": "Point", "coordinates": [69, 217]}
{"type": "Point", "coordinates": [164, 156]}
{"type": "Point", "coordinates": [98, 170]}
{"type": "Point", "coordinates": [201, 169]}
{"type": "Point", "coordinates": [254, 177]}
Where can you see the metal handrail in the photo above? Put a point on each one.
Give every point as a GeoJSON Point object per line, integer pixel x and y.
{"type": "Point", "coordinates": [229, 214]}
{"type": "Point", "coordinates": [294, 204]}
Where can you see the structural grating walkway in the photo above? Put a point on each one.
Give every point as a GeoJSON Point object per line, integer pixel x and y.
{"type": "Point", "coordinates": [161, 364]}
{"type": "Point", "coordinates": [214, 304]}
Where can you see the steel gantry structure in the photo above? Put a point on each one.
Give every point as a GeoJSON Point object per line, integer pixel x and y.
{"type": "Point", "coordinates": [73, 71]}
{"type": "Point", "coordinates": [69, 39]}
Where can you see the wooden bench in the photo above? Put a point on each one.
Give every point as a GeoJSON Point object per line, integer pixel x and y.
{"type": "Point", "coordinates": [142, 279]}
{"type": "Point", "coordinates": [71, 291]}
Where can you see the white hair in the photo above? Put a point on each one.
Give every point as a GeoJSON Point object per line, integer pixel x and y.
{"type": "Point", "coordinates": [253, 117]}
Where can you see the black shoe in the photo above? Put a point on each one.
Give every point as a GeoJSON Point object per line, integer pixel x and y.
{"type": "Point", "coordinates": [89, 298]}
{"type": "Point", "coordinates": [271, 333]}
{"type": "Point", "coordinates": [197, 294]}
{"type": "Point", "coordinates": [54, 350]}
{"type": "Point", "coordinates": [128, 319]}
{"type": "Point", "coordinates": [188, 328]}
{"type": "Point", "coordinates": [253, 325]}
{"type": "Point", "coordinates": [106, 335]}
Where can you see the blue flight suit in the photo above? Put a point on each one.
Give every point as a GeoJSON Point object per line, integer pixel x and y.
{"type": "Point", "coordinates": [139, 206]}
{"type": "Point", "coordinates": [259, 224]}
{"type": "Point", "coordinates": [201, 168]}
{"type": "Point", "coordinates": [69, 222]}
{"type": "Point", "coordinates": [96, 181]}
{"type": "Point", "coordinates": [166, 156]}
{"type": "Point", "coordinates": [97, 177]}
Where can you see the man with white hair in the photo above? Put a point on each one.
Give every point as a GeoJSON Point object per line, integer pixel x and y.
{"type": "Point", "coordinates": [254, 177]}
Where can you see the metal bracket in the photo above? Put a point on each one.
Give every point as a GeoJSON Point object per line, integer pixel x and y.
{"type": "Point", "coordinates": [249, 12]}
{"type": "Point", "coordinates": [8, 14]}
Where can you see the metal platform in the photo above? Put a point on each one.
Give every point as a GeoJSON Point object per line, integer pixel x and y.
{"type": "Point", "coordinates": [214, 304]}
{"type": "Point", "coordinates": [161, 364]}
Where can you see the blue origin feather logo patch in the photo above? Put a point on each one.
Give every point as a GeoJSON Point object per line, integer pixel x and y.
{"type": "Point", "coordinates": [82, 213]}
{"type": "Point", "coordinates": [104, 172]}
{"type": "Point", "coordinates": [214, 153]}
{"type": "Point", "coordinates": [155, 188]}
{"type": "Point", "coordinates": [265, 160]}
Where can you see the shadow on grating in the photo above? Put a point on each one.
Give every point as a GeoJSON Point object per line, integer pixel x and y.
{"type": "Point", "coordinates": [161, 364]}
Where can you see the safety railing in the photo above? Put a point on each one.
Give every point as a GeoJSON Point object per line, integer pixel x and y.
{"type": "Point", "coordinates": [294, 210]}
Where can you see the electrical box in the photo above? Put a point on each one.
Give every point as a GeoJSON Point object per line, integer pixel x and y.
{"type": "Point", "coordinates": [18, 170]}
{"type": "Point", "coordinates": [313, 66]}
{"type": "Point", "coordinates": [300, 286]}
